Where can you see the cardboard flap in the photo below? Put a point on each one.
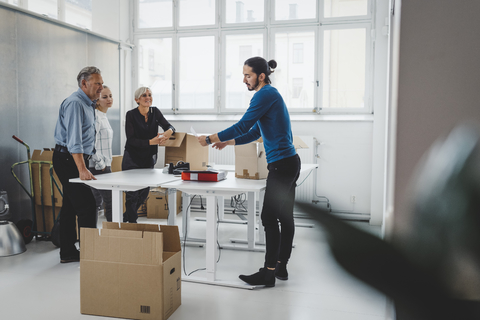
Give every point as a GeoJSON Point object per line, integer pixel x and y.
{"type": "Point", "coordinates": [124, 246]}
{"type": "Point", "coordinates": [171, 239]}
{"type": "Point", "coordinates": [131, 226]}
{"type": "Point", "coordinates": [175, 140]}
{"type": "Point", "coordinates": [298, 143]}
{"type": "Point", "coordinates": [42, 155]}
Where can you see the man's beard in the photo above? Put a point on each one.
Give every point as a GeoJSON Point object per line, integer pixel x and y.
{"type": "Point", "coordinates": [257, 83]}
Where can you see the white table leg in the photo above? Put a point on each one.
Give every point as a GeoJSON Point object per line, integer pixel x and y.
{"type": "Point", "coordinates": [211, 241]}
{"type": "Point", "coordinates": [185, 213]}
{"type": "Point", "coordinates": [117, 205]}
{"type": "Point", "coordinates": [172, 207]}
{"type": "Point", "coordinates": [251, 218]}
{"type": "Point", "coordinates": [221, 207]}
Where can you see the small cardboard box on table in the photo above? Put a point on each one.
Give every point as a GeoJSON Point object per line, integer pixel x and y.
{"type": "Point", "coordinates": [185, 147]}
{"type": "Point", "coordinates": [41, 177]}
{"type": "Point", "coordinates": [157, 203]}
{"type": "Point", "coordinates": [251, 160]}
{"type": "Point", "coordinates": [130, 271]}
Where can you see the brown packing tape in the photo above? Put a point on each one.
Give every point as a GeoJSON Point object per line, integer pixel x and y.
{"type": "Point", "coordinates": [246, 175]}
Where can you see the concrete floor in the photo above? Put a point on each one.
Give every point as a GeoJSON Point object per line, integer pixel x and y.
{"type": "Point", "coordinates": [34, 285]}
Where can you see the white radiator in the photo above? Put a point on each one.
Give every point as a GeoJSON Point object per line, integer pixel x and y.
{"type": "Point", "coordinates": [305, 189]}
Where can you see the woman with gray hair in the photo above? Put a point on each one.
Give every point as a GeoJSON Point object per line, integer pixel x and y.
{"type": "Point", "coordinates": [141, 147]}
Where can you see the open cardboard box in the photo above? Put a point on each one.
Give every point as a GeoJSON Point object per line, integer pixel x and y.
{"type": "Point", "coordinates": [251, 160]}
{"type": "Point", "coordinates": [185, 147]}
{"type": "Point", "coordinates": [157, 203]}
{"type": "Point", "coordinates": [130, 271]}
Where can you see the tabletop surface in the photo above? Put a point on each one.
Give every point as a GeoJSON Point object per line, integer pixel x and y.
{"type": "Point", "coordinates": [230, 183]}
{"type": "Point", "coordinates": [132, 178]}
{"type": "Point", "coordinates": [156, 178]}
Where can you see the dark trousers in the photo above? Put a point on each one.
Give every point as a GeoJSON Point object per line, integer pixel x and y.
{"type": "Point", "coordinates": [103, 197]}
{"type": "Point", "coordinates": [278, 208]}
{"type": "Point", "coordinates": [134, 199]}
{"type": "Point", "coordinates": [78, 202]}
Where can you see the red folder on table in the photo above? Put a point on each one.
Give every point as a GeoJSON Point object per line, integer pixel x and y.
{"type": "Point", "coordinates": [207, 175]}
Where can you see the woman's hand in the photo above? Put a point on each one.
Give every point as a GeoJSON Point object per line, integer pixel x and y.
{"type": "Point", "coordinates": [165, 136]}
{"type": "Point", "coordinates": [157, 140]}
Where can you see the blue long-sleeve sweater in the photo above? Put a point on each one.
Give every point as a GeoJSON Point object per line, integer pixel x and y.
{"type": "Point", "coordinates": [266, 117]}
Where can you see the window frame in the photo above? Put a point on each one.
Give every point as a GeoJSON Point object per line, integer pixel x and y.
{"type": "Point", "coordinates": [176, 84]}
{"type": "Point", "coordinates": [135, 56]}
{"type": "Point", "coordinates": [268, 28]}
{"type": "Point", "coordinates": [136, 20]}
{"type": "Point", "coordinates": [274, 22]}
{"type": "Point", "coordinates": [243, 25]}
{"type": "Point", "coordinates": [368, 105]}
{"type": "Point", "coordinates": [367, 17]}
{"type": "Point", "coordinates": [223, 75]}
{"type": "Point", "coordinates": [272, 44]}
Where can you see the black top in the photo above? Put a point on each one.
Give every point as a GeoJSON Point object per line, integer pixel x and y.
{"type": "Point", "coordinates": [139, 133]}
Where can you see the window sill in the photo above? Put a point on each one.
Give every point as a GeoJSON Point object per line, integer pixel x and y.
{"type": "Point", "coordinates": [293, 117]}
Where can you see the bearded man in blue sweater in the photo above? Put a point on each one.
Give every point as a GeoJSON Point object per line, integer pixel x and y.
{"type": "Point", "coordinates": [267, 117]}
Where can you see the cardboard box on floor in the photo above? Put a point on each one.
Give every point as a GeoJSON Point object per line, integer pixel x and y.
{"type": "Point", "coordinates": [251, 161]}
{"type": "Point", "coordinates": [185, 147]}
{"type": "Point", "coordinates": [130, 271]}
{"type": "Point", "coordinates": [41, 177]}
{"type": "Point", "coordinates": [157, 203]}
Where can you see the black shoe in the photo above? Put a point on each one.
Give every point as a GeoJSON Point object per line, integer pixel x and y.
{"type": "Point", "coordinates": [72, 258]}
{"type": "Point", "coordinates": [281, 271]}
{"type": "Point", "coordinates": [264, 277]}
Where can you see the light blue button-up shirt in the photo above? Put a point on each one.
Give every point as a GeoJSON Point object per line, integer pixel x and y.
{"type": "Point", "coordinates": [75, 127]}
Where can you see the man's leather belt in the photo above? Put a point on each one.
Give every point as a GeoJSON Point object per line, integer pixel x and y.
{"type": "Point", "coordinates": [63, 149]}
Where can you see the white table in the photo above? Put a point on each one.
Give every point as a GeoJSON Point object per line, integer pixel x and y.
{"type": "Point", "coordinates": [213, 192]}
{"type": "Point", "coordinates": [130, 180]}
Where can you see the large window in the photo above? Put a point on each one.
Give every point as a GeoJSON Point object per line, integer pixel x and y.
{"type": "Point", "coordinates": [196, 73]}
{"type": "Point", "coordinates": [191, 52]}
{"type": "Point", "coordinates": [74, 12]}
{"type": "Point", "coordinates": [155, 70]}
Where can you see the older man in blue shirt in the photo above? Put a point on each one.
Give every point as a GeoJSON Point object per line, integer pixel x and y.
{"type": "Point", "coordinates": [75, 144]}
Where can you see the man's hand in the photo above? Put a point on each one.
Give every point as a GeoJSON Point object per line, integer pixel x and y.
{"type": "Point", "coordinates": [220, 145]}
{"type": "Point", "coordinates": [201, 140]}
{"type": "Point", "coordinates": [84, 173]}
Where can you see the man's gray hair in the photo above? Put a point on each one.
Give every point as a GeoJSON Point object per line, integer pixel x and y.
{"type": "Point", "coordinates": [86, 73]}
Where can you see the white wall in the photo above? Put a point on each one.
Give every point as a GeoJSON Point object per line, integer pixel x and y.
{"type": "Point", "coordinates": [345, 164]}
